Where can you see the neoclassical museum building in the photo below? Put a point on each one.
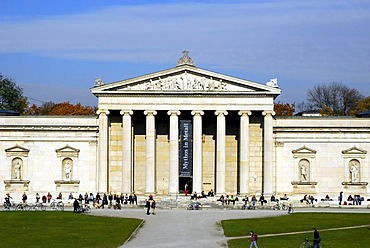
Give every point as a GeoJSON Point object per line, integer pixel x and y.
{"type": "Point", "coordinates": [156, 133]}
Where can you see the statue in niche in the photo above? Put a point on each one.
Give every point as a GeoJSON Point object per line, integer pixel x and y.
{"type": "Point", "coordinates": [303, 166]}
{"type": "Point", "coordinates": [354, 170]}
{"type": "Point", "coordinates": [67, 170]}
{"type": "Point", "coordinates": [17, 170]}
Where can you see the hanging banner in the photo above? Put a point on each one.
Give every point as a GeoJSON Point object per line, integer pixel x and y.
{"type": "Point", "coordinates": [186, 148]}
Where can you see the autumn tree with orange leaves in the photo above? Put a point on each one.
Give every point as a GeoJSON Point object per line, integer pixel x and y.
{"type": "Point", "coordinates": [64, 108]}
{"type": "Point", "coordinates": [284, 109]}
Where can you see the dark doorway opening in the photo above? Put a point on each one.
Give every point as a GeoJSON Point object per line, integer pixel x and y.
{"type": "Point", "coordinates": [186, 183]}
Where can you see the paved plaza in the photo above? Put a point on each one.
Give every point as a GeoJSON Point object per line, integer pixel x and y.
{"type": "Point", "coordinates": [184, 228]}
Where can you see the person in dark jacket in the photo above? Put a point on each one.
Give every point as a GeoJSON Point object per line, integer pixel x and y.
{"type": "Point", "coordinates": [253, 240]}
{"type": "Point", "coordinates": [316, 239]}
{"type": "Point", "coordinates": [76, 204]}
{"type": "Point", "coordinates": [147, 205]}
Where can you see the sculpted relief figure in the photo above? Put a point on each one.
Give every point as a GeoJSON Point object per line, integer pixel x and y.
{"type": "Point", "coordinates": [67, 170]}
{"type": "Point", "coordinates": [354, 170]}
{"type": "Point", "coordinates": [303, 168]}
{"type": "Point", "coordinates": [303, 172]}
{"type": "Point", "coordinates": [98, 82]}
{"type": "Point", "coordinates": [185, 81]}
{"type": "Point", "coordinates": [17, 170]}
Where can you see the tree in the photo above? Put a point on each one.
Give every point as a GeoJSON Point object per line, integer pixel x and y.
{"type": "Point", "coordinates": [66, 108]}
{"type": "Point", "coordinates": [44, 109]}
{"type": "Point", "coordinates": [336, 97]}
{"type": "Point", "coordinates": [362, 106]}
{"type": "Point", "coordinates": [11, 96]}
{"type": "Point", "coordinates": [284, 109]}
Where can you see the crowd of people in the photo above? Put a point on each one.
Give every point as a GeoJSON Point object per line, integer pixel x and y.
{"type": "Point", "coordinates": [111, 200]}
{"type": "Point", "coordinates": [116, 201]}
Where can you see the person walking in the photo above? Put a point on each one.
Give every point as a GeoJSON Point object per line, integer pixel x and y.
{"type": "Point", "coordinates": [340, 197]}
{"type": "Point", "coordinates": [147, 205]}
{"type": "Point", "coordinates": [316, 239]}
{"type": "Point", "coordinates": [253, 240]}
{"type": "Point", "coordinates": [153, 207]}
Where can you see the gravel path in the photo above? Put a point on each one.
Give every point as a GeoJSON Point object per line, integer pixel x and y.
{"type": "Point", "coordinates": [183, 228]}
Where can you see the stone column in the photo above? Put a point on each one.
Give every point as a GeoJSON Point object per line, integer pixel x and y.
{"type": "Point", "coordinates": [102, 174]}
{"type": "Point", "coordinates": [268, 155]}
{"type": "Point", "coordinates": [126, 151]}
{"type": "Point", "coordinates": [174, 151]}
{"type": "Point", "coordinates": [221, 152]}
{"type": "Point", "coordinates": [244, 152]}
{"type": "Point", "coordinates": [197, 150]}
{"type": "Point", "coordinates": [150, 152]}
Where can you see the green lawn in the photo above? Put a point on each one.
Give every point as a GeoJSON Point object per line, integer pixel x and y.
{"type": "Point", "coordinates": [359, 237]}
{"type": "Point", "coordinates": [63, 229]}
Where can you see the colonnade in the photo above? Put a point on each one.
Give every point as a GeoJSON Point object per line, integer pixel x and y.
{"type": "Point", "coordinates": [150, 187]}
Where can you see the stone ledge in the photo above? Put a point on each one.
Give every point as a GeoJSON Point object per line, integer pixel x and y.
{"type": "Point", "coordinates": [16, 185]}
{"type": "Point", "coordinates": [355, 183]}
{"type": "Point", "coordinates": [67, 181]}
{"type": "Point", "coordinates": [295, 183]}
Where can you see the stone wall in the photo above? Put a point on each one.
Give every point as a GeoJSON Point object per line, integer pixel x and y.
{"type": "Point", "coordinates": [328, 144]}
{"type": "Point", "coordinates": [42, 144]}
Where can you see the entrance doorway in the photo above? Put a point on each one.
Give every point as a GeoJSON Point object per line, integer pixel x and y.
{"type": "Point", "coordinates": [186, 182]}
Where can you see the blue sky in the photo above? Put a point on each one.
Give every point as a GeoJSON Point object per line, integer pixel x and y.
{"type": "Point", "coordinates": [55, 49]}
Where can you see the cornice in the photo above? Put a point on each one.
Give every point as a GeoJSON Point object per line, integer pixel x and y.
{"type": "Point", "coordinates": [49, 128]}
{"type": "Point", "coordinates": [189, 95]}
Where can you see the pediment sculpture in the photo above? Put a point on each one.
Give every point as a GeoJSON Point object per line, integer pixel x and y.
{"type": "Point", "coordinates": [182, 82]}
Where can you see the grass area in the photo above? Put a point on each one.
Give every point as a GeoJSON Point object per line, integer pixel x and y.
{"type": "Point", "coordinates": [63, 229]}
{"type": "Point", "coordinates": [359, 237]}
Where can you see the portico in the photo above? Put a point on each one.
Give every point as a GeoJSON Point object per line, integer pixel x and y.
{"type": "Point", "coordinates": [230, 118]}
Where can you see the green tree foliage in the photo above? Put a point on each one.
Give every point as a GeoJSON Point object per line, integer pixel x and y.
{"type": "Point", "coordinates": [11, 96]}
{"type": "Point", "coordinates": [334, 99]}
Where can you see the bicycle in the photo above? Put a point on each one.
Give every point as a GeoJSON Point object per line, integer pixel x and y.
{"type": "Point", "coordinates": [280, 206]}
{"type": "Point", "coordinates": [22, 207]}
{"type": "Point", "coordinates": [195, 206]}
{"type": "Point", "coordinates": [38, 206]}
{"type": "Point", "coordinates": [84, 208]}
{"type": "Point", "coordinates": [7, 206]}
{"type": "Point", "coordinates": [308, 244]}
{"type": "Point", "coordinates": [57, 205]}
{"type": "Point", "coordinates": [290, 209]}
{"type": "Point", "coordinates": [249, 206]}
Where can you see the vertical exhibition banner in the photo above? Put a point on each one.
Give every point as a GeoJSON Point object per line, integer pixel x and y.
{"type": "Point", "coordinates": [186, 148]}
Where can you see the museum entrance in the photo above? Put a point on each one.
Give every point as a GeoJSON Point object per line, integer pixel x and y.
{"type": "Point", "coordinates": [186, 157]}
{"type": "Point", "coordinates": [185, 184]}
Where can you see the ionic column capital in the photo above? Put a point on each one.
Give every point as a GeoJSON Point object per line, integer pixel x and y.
{"type": "Point", "coordinates": [245, 112]}
{"type": "Point", "coordinates": [150, 112]}
{"type": "Point", "coordinates": [197, 112]}
{"type": "Point", "coordinates": [221, 112]}
{"type": "Point", "coordinates": [126, 112]}
{"type": "Point", "coordinates": [102, 111]}
{"type": "Point", "coordinates": [173, 112]}
{"type": "Point", "coordinates": [268, 112]}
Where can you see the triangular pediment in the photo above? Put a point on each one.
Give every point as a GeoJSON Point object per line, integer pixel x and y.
{"type": "Point", "coordinates": [185, 79]}
{"type": "Point", "coordinates": [304, 150]}
{"type": "Point", "coordinates": [17, 148]}
{"type": "Point", "coordinates": [67, 151]}
{"type": "Point", "coordinates": [354, 150]}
